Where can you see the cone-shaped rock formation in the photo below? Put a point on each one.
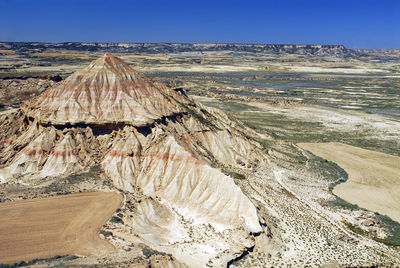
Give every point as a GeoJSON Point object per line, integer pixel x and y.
{"type": "Point", "coordinates": [107, 91]}
{"type": "Point", "coordinates": [151, 141]}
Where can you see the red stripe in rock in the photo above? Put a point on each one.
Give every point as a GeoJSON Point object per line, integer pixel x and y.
{"type": "Point", "coordinates": [32, 152]}
{"type": "Point", "coordinates": [62, 153]}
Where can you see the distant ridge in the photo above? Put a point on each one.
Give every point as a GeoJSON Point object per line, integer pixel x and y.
{"type": "Point", "coordinates": [304, 49]}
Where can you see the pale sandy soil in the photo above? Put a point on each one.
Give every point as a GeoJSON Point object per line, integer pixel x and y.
{"type": "Point", "coordinates": [374, 178]}
{"type": "Point", "coordinates": [376, 125]}
{"type": "Point", "coordinates": [62, 225]}
{"type": "Point", "coordinates": [314, 69]}
{"type": "Point", "coordinates": [199, 68]}
{"type": "Point", "coordinates": [65, 67]}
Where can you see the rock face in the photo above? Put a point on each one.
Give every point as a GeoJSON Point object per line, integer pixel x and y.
{"type": "Point", "coordinates": [107, 91]}
{"type": "Point", "coordinates": [150, 141]}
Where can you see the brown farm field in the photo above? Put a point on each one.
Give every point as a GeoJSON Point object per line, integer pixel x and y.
{"type": "Point", "coordinates": [374, 177]}
{"type": "Point", "coordinates": [62, 225]}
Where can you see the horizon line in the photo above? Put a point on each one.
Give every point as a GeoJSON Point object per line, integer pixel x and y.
{"type": "Point", "coordinates": [200, 43]}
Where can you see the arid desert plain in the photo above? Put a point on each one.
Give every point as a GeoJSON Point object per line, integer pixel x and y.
{"type": "Point", "coordinates": [199, 155]}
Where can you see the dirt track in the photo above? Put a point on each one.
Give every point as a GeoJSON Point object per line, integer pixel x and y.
{"type": "Point", "coordinates": [63, 225]}
{"type": "Point", "coordinates": [374, 178]}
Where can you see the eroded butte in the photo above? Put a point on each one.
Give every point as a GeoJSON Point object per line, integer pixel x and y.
{"type": "Point", "coordinates": [150, 140]}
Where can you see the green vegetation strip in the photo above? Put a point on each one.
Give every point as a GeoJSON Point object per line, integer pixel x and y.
{"type": "Point", "coordinates": [38, 261]}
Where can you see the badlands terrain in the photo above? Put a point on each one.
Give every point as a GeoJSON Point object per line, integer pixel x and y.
{"type": "Point", "coordinates": [199, 155]}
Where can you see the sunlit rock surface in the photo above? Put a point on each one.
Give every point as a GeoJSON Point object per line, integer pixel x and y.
{"type": "Point", "coordinates": [151, 141]}
{"type": "Point", "coordinates": [107, 91]}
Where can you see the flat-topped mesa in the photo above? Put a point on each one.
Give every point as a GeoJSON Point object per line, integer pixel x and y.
{"type": "Point", "coordinates": [108, 91]}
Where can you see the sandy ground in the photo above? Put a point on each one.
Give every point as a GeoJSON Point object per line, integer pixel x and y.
{"type": "Point", "coordinates": [64, 67]}
{"type": "Point", "coordinates": [62, 225]}
{"type": "Point", "coordinates": [376, 125]}
{"type": "Point", "coordinates": [313, 69]}
{"type": "Point", "coordinates": [374, 178]}
{"type": "Point", "coordinates": [206, 68]}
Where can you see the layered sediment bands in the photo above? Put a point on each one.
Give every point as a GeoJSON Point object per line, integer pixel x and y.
{"type": "Point", "coordinates": [32, 157]}
{"type": "Point", "coordinates": [223, 143]}
{"type": "Point", "coordinates": [150, 141]}
{"type": "Point", "coordinates": [48, 154]}
{"type": "Point", "coordinates": [13, 141]}
{"type": "Point", "coordinates": [228, 148]}
{"type": "Point", "coordinates": [62, 158]}
{"type": "Point", "coordinates": [168, 171]}
{"type": "Point", "coordinates": [107, 91]}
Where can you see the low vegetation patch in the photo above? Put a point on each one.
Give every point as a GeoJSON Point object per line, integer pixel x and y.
{"type": "Point", "coordinates": [340, 203]}
{"type": "Point", "coordinates": [393, 228]}
{"type": "Point", "coordinates": [37, 261]}
{"type": "Point", "coordinates": [116, 219]}
{"type": "Point", "coordinates": [92, 173]}
{"type": "Point", "coordinates": [392, 240]}
{"type": "Point", "coordinates": [148, 252]}
{"type": "Point", "coordinates": [235, 175]}
{"type": "Point", "coordinates": [106, 233]}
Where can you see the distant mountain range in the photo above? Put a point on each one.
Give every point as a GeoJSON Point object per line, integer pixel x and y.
{"type": "Point", "coordinates": [319, 50]}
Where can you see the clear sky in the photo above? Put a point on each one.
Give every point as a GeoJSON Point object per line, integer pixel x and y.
{"type": "Point", "coordinates": [353, 23]}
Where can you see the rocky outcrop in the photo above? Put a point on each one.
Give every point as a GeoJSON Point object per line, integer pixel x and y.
{"type": "Point", "coordinates": [107, 91]}
{"type": "Point", "coordinates": [170, 172]}
{"type": "Point", "coordinates": [150, 141]}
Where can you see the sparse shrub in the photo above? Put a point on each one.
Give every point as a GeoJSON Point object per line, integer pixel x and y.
{"type": "Point", "coordinates": [234, 175]}
{"type": "Point", "coordinates": [393, 229]}
{"type": "Point", "coordinates": [116, 219]}
{"type": "Point", "coordinates": [95, 169]}
{"type": "Point", "coordinates": [148, 252]}
{"type": "Point", "coordinates": [338, 202]}
{"type": "Point", "coordinates": [106, 233]}
{"type": "Point", "coordinates": [36, 260]}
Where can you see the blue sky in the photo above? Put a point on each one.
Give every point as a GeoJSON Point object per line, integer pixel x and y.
{"type": "Point", "coordinates": [353, 23]}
